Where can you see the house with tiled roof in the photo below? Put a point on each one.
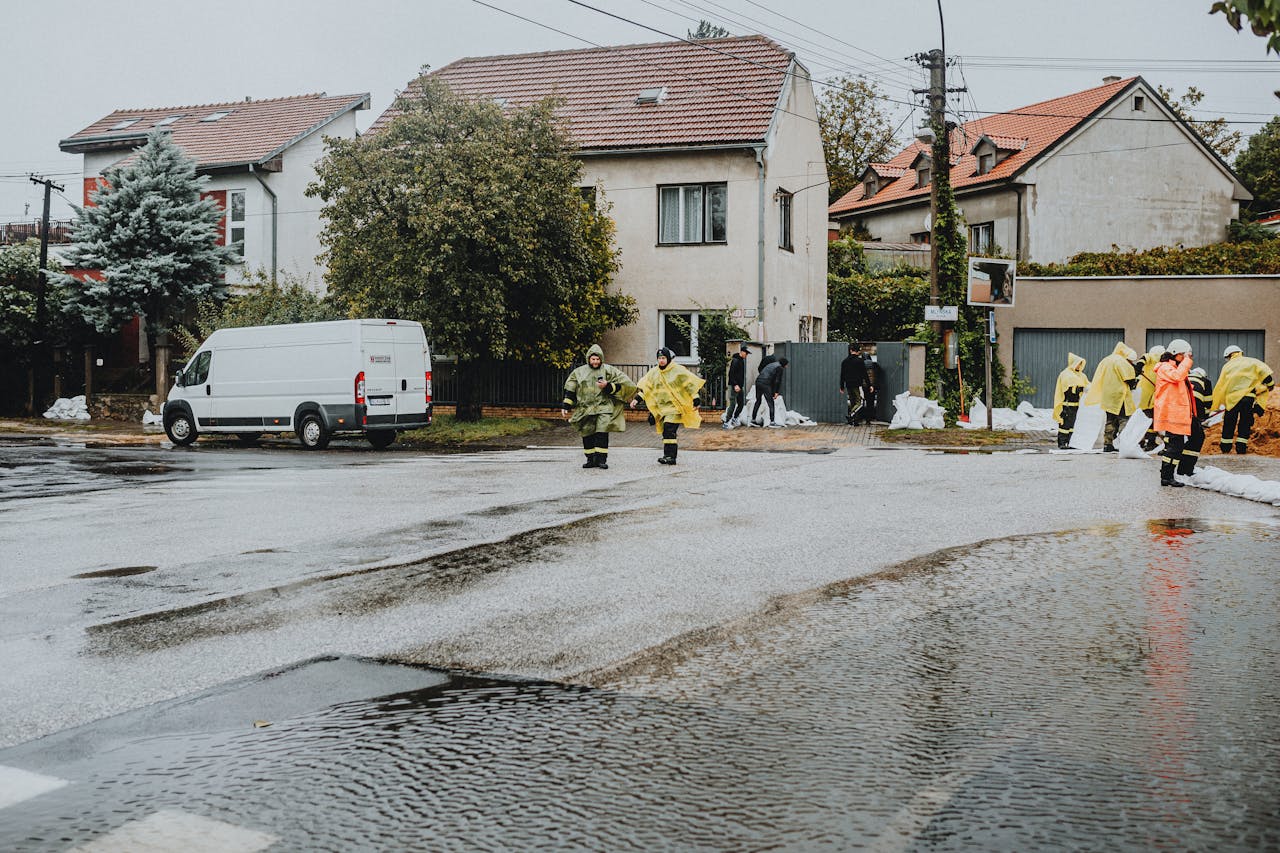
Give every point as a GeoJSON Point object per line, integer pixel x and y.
{"type": "Point", "coordinates": [259, 156]}
{"type": "Point", "coordinates": [1112, 165]}
{"type": "Point", "coordinates": [709, 155]}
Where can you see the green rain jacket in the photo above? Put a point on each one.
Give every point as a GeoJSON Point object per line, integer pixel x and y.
{"type": "Point", "coordinates": [588, 400]}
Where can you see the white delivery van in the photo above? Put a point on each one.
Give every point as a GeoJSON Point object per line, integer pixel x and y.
{"type": "Point", "coordinates": [312, 379]}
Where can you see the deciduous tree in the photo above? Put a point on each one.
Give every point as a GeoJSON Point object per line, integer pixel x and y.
{"type": "Point", "coordinates": [468, 217]}
{"type": "Point", "coordinates": [1259, 165]}
{"type": "Point", "coordinates": [856, 130]}
{"type": "Point", "coordinates": [1216, 133]}
{"type": "Point", "coordinates": [1263, 17]}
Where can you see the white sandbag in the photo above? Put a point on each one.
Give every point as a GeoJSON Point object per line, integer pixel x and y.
{"type": "Point", "coordinates": [68, 409]}
{"type": "Point", "coordinates": [1089, 423]}
{"type": "Point", "coordinates": [1131, 436]}
{"type": "Point", "coordinates": [781, 414]}
{"type": "Point", "coordinates": [1237, 485]}
{"type": "Point", "coordinates": [149, 419]}
{"type": "Point", "coordinates": [916, 413]}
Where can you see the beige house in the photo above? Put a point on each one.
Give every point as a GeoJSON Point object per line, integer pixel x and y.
{"type": "Point", "coordinates": [709, 157]}
{"type": "Point", "coordinates": [1112, 165]}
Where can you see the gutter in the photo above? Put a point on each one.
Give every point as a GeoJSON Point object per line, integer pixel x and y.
{"type": "Point", "coordinates": [760, 244]}
{"type": "Point", "coordinates": [274, 220]}
{"type": "Point", "coordinates": [666, 149]}
{"type": "Point", "coordinates": [1017, 245]}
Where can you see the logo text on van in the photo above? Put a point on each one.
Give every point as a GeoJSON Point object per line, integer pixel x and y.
{"type": "Point", "coordinates": [379, 359]}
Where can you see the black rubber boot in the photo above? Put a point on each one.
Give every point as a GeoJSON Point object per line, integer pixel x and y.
{"type": "Point", "coordinates": [588, 447]}
{"type": "Point", "coordinates": [1224, 447]}
{"type": "Point", "coordinates": [602, 451]}
{"type": "Point", "coordinates": [1242, 448]}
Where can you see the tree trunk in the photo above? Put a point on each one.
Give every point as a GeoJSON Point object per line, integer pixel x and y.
{"type": "Point", "coordinates": [88, 374]}
{"type": "Point", "coordinates": [470, 391]}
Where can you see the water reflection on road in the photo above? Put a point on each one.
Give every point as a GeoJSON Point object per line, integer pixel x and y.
{"type": "Point", "coordinates": [1115, 688]}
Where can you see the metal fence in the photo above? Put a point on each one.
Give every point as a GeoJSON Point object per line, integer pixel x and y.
{"type": "Point", "coordinates": [535, 385]}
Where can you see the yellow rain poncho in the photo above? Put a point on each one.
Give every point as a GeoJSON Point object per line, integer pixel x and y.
{"type": "Point", "coordinates": [1147, 381]}
{"type": "Point", "coordinates": [1110, 386]}
{"type": "Point", "coordinates": [1071, 379]}
{"type": "Point", "coordinates": [1240, 376]}
{"type": "Point", "coordinates": [589, 401]}
{"type": "Point", "coordinates": [669, 394]}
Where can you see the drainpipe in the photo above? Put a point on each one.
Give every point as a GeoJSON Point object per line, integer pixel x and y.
{"type": "Point", "coordinates": [760, 243]}
{"type": "Point", "coordinates": [1017, 246]}
{"type": "Point", "coordinates": [274, 208]}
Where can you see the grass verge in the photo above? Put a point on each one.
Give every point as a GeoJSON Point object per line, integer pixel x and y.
{"type": "Point", "coordinates": [446, 430]}
{"type": "Point", "coordinates": [954, 437]}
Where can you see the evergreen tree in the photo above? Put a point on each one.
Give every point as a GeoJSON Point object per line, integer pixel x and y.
{"type": "Point", "coordinates": [153, 238]}
{"type": "Point", "coordinates": [707, 30]}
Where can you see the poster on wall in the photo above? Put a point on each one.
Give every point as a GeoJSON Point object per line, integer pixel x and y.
{"type": "Point", "coordinates": [991, 282]}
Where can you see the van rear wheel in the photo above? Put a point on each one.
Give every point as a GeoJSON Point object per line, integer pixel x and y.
{"type": "Point", "coordinates": [381, 439]}
{"type": "Point", "coordinates": [312, 433]}
{"type": "Point", "coordinates": [181, 429]}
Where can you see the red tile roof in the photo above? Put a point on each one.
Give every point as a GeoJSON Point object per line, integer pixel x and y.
{"type": "Point", "coordinates": [252, 132]}
{"type": "Point", "coordinates": [718, 91]}
{"type": "Point", "coordinates": [1028, 131]}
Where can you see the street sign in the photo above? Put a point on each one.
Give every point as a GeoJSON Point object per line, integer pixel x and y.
{"type": "Point", "coordinates": [991, 282]}
{"type": "Point", "coordinates": [946, 313]}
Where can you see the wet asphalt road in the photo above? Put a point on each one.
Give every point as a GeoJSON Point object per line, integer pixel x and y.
{"type": "Point", "coordinates": [745, 694]}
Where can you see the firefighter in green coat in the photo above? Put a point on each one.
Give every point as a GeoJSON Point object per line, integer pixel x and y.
{"type": "Point", "coordinates": [594, 396]}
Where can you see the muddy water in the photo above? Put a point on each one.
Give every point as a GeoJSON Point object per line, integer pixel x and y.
{"type": "Point", "coordinates": [1116, 688]}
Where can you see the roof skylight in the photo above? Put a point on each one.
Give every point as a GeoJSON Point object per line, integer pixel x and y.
{"type": "Point", "coordinates": [167, 120]}
{"type": "Point", "coordinates": [220, 114]}
{"type": "Point", "coordinates": [652, 96]}
{"type": "Point", "coordinates": [129, 122]}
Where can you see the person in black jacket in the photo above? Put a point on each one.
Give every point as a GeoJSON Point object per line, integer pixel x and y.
{"type": "Point", "coordinates": [853, 382]}
{"type": "Point", "coordinates": [768, 386]}
{"type": "Point", "coordinates": [875, 381]}
{"type": "Point", "coordinates": [736, 390]}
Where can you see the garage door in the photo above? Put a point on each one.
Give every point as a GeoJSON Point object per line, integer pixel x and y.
{"type": "Point", "coordinates": [1207, 344]}
{"type": "Point", "coordinates": [1039, 355]}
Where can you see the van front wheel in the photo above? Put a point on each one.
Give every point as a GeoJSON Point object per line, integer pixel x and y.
{"type": "Point", "coordinates": [181, 429]}
{"type": "Point", "coordinates": [312, 433]}
{"type": "Point", "coordinates": [381, 439]}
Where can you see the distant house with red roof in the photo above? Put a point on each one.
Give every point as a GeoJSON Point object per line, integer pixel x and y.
{"type": "Point", "coordinates": [1112, 165]}
{"type": "Point", "coordinates": [710, 156]}
{"type": "Point", "coordinates": [259, 157]}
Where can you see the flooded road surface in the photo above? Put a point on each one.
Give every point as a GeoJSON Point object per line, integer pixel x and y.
{"type": "Point", "coordinates": [1111, 688]}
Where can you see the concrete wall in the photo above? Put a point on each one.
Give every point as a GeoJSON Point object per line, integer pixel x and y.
{"type": "Point", "coordinates": [1141, 303]}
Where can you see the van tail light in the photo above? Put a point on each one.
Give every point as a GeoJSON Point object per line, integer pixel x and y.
{"type": "Point", "coordinates": [428, 386]}
{"type": "Point", "coordinates": [360, 388]}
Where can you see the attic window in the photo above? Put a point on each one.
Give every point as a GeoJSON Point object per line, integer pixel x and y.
{"type": "Point", "coordinates": [167, 120]}
{"type": "Point", "coordinates": [922, 176]}
{"type": "Point", "coordinates": [869, 187]}
{"type": "Point", "coordinates": [986, 162]}
{"type": "Point", "coordinates": [220, 114]}
{"type": "Point", "coordinates": [652, 96]}
{"type": "Point", "coordinates": [1139, 104]}
{"type": "Point", "coordinates": [129, 122]}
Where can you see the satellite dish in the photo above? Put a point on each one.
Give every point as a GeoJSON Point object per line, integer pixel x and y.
{"type": "Point", "coordinates": [928, 222]}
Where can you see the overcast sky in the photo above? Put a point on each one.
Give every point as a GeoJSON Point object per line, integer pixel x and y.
{"type": "Point", "coordinates": [66, 63]}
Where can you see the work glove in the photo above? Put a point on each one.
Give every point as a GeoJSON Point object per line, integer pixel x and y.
{"type": "Point", "coordinates": [652, 419]}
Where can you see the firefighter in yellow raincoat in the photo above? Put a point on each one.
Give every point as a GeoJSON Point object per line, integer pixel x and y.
{"type": "Point", "coordinates": [1147, 390]}
{"type": "Point", "coordinates": [1111, 389]}
{"type": "Point", "coordinates": [1066, 397]}
{"type": "Point", "coordinates": [670, 393]}
{"type": "Point", "coordinates": [1242, 382]}
{"type": "Point", "coordinates": [594, 396]}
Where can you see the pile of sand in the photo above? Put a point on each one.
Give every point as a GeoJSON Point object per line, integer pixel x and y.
{"type": "Point", "coordinates": [1266, 432]}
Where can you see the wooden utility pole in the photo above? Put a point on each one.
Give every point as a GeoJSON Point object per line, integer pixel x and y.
{"type": "Point", "coordinates": [42, 288]}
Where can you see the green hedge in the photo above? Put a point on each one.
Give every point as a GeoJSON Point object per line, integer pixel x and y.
{"type": "Point", "coordinates": [883, 306]}
{"type": "Point", "coordinates": [1249, 258]}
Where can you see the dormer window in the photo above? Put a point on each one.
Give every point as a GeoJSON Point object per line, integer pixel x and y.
{"type": "Point", "coordinates": [922, 175]}
{"type": "Point", "coordinates": [220, 114]}
{"type": "Point", "coordinates": [166, 121]}
{"type": "Point", "coordinates": [986, 162]}
{"type": "Point", "coordinates": [652, 96]}
{"type": "Point", "coordinates": [869, 187]}
{"type": "Point", "coordinates": [129, 122]}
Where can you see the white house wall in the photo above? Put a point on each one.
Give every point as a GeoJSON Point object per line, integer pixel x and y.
{"type": "Point", "coordinates": [1133, 179]}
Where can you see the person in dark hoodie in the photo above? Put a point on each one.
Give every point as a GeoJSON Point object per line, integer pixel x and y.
{"type": "Point", "coordinates": [853, 382]}
{"type": "Point", "coordinates": [736, 387]}
{"type": "Point", "coordinates": [768, 387]}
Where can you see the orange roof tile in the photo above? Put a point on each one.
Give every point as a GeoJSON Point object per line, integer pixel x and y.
{"type": "Point", "coordinates": [251, 132]}
{"type": "Point", "coordinates": [1028, 131]}
{"type": "Point", "coordinates": [718, 91]}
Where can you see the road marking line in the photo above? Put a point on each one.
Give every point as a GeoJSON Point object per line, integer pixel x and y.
{"type": "Point", "coordinates": [170, 830]}
{"type": "Point", "coordinates": [17, 785]}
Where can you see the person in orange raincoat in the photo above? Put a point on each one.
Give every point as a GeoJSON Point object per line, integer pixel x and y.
{"type": "Point", "coordinates": [1174, 405]}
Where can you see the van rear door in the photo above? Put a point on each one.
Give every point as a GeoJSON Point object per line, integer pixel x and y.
{"type": "Point", "coordinates": [378, 360]}
{"type": "Point", "coordinates": [411, 370]}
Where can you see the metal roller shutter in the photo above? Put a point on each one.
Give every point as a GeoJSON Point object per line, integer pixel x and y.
{"type": "Point", "coordinates": [1039, 355]}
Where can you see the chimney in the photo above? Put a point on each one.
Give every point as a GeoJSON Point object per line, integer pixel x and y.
{"type": "Point", "coordinates": [1111, 78]}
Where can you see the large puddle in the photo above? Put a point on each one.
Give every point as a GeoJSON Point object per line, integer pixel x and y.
{"type": "Point", "coordinates": [1115, 688]}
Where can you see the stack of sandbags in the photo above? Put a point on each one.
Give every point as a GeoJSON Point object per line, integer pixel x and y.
{"type": "Point", "coordinates": [72, 409]}
{"type": "Point", "coordinates": [1240, 485]}
{"type": "Point", "coordinates": [916, 413]}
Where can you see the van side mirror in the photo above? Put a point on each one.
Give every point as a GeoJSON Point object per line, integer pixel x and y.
{"type": "Point", "coordinates": [177, 378]}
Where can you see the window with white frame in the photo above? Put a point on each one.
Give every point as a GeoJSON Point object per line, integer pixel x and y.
{"type": "Point", "coordinates": [693, 213]}
{"type": "Point", "coordinates": [982, 236]}
{"type": "Point", "coordinates": [236, 219]}
{"type": "Point", "coordinates": [784, 219]}
{"type": "Point", "coordinates": [678, 332]}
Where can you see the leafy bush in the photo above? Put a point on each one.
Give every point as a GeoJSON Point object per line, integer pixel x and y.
{"type": "Point", "coordinates": [1250, 258]}
{"type": "Point", "coordinates": [880, 306]}
{"type": "Point", "coordinates": [260, 302]}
